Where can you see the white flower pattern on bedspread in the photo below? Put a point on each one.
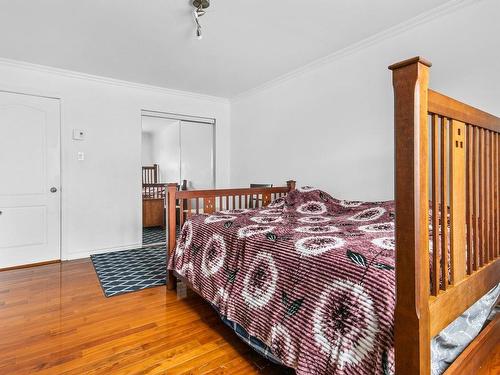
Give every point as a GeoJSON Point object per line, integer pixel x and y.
{"type": "Point", "coordinates": [213, 255]}
{"type": "Point", "coordinates": [345, 324]}
{"type": "Point", "coordinates": [185, 238]}
{"type": "Point", "coordinates": [259, 284]}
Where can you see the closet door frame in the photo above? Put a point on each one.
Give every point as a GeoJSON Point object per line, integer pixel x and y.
{"type": "Point", "coordinates": [194, 119]}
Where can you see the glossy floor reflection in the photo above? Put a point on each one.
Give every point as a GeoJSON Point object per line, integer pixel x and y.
{"type": "Point", "coordinates": [55, 319]}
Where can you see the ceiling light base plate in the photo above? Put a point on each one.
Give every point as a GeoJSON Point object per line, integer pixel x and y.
{"type": "Point", "coordinates": [203, 3]}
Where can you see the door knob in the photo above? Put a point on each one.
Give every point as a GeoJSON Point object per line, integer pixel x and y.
{"type": "Point", "coordinates": [53, 190]}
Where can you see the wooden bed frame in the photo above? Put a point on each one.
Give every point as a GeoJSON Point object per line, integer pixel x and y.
{"type": "Point", "coordinates": [446, 151]}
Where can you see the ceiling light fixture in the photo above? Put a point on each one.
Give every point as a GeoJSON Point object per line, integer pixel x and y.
{"type": "Point", "coordinates": [199, 11]}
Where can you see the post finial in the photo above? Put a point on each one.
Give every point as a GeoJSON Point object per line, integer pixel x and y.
{"type": "Point", "coordinates": [413, 60]}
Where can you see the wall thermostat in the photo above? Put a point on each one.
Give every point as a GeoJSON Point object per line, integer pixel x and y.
{"type": "Point", "coordinates": [78, 134]}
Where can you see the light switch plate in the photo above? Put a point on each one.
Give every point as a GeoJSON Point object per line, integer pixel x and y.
{"type": "Point", "coordinates": [78, 134]}
{"type": "Point", "coordinates": [80, 156]}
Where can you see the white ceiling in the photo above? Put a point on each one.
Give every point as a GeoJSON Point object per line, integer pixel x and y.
{"type": "Point", "coordinates": [246, 43]}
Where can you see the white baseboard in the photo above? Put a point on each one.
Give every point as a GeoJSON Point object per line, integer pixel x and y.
{"type": "Point", "coordinates": [86, 254]}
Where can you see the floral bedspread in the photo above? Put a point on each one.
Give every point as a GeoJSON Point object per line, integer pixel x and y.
{"type": "Point", "coordinates": [311, 276]}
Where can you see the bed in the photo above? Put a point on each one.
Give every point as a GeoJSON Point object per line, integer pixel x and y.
{"type": "Point", "coordinates": [446, 153]}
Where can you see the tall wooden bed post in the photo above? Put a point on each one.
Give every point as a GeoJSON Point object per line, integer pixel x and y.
{"type": "Point", "coordinates": [412, 324]}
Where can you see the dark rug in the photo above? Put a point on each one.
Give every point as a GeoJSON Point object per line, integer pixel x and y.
{"type": "Point", "coordinates": [154, 235]}
{"type": "Point", "coordinates": [130, 270]}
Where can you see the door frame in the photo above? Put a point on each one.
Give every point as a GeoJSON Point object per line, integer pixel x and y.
{"type": "Point", "coordinates": [40, 94]}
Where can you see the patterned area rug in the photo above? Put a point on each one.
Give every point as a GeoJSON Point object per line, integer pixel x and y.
{"type": "Point", "coordinates": [130, 270]}
{"type": "Point", "coordinates": [153, 235]}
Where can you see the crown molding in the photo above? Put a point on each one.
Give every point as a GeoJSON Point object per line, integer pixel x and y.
{"type": "Point", "coordinates": [108, 81]}
{"type": "Point", "coordinates": [423, 18]}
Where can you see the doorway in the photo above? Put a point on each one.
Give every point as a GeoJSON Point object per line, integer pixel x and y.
{"type": "Point", "coordinates": [30, 214]}
{"type": "Point", "coordinates": [175, 149]}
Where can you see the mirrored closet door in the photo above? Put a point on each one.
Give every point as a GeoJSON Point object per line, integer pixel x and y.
{"type": "Point", "coordinates": [181, 147]}
{"type": "Point", "coordinates": [197, 149]}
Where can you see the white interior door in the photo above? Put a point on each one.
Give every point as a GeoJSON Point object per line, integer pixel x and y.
{"type": "Point", "coordinates": [29, 169]}
{"type": "Point", "coordinates": [197, 154]}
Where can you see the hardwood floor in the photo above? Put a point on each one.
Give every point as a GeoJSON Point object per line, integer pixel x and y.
{"type": "Point", "coordinates": [54, 319]}
{"type": "Point", "coordinates": [493, 365]}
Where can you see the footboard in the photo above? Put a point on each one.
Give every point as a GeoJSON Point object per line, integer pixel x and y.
{"type": "Point", "coordinates": [446, 153]}
{"type": "Point", "coordinates": [183, 204]}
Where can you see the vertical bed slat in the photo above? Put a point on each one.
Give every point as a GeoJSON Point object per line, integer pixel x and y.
{"type": "Point", "coordinates": [444, 202]}
{"type": "Point", "coordinates": [435, 206]}
{"type": "Point", "coordinates": [457, 202]}
{"type": "Point", "coordinates": [496, 161]}
{"type": "Point", "coordinates": [475, 193]}
{"type": "Point", "coordinates": [481, 198]}
{"type": "Point", "coordinates": [496, 167]}
{"type": "Point", "coordinates": [209, 205]}
{"type": "Point", "coordinates": [266, 199]}
{"type": "Point", "coordinates": [491, 253]}
{"type": "Point", "coordinates": [497, 191]}
{"type": "Point", "coordinates": [492, 197]}
{"type": "Point", "coordinates": [486, 197]}
{"type": "Point", "coordinates": [469, 190]}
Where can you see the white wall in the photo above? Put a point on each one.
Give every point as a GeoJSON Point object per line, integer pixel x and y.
{"type": "Point", "coordinates": [331, 125]}
{"type": "Point", "coordinates": [164, 146]}
{"type": "Point", "coordinates": [147, 149]}
{"type": "Point", "coordinates": [101, 196]}
{"type": "Point", "coordinates": [162, 152]}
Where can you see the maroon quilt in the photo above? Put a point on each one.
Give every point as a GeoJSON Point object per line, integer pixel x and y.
{"type": "Point", "coordinates": [311, 276]}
